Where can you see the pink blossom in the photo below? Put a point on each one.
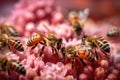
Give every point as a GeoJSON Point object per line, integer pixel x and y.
{"type": "Point", "coordinates": [53, 71]}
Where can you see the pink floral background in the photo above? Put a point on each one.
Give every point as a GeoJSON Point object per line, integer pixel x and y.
{"type": "Point", "coordinates": [27, 16]}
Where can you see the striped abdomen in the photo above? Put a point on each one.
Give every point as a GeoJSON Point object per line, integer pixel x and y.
{"type": "Point", "coordinates": [77, 27]}
{"type": "Point", "coordinates": [17, 67]}
{"type": "Point", "coordinates": [36, 38]}
{"type": "Point", "coordinates": [113, 32]}
{"type": "Point", "coordinates": [15, 44]}
{"type": "Point", "coordinates": [3, 63]}
{"type": "Point", "coordinates": [103, 44]}
{"type": "Point", "coordinates": [75, 23]}
{"type": "Point", "coordinates": [3, 60]}
{"type": "Point", "coordinates": [12, 31]}
{"type": "Point", "coordinates": [86, 55]}
{"type": "Point", "coordinates": [8, 29]}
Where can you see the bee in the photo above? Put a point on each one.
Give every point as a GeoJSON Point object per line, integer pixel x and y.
{"type": "Point", "coordinates": [46, 40]}
{"type": "Point", "coordinates": [114, 32]}
{"type": "Point", "coordinates": [8, 29]}
{"type": "Point", "coordinates": [11, 42]}
{"type": "Point", "coordinates": [11, 65]}
{"type": "Point", "coordinates": [81, 53]}
{"type": "Point", "coordinates": [34, 40]}
{"type": "Point", "coordinates": [75, 23]}
{"type": "Point", "coordinates": [77, 19]}
{"type": "Point", "coordinates": [95, 42]}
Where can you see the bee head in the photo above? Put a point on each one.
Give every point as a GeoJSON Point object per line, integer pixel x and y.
{"type": "Point", "coordinates": [84, 37]}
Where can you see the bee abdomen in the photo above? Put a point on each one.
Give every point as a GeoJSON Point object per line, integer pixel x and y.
{"type": "Point", "coordinates": [36, 38]}
{"type": "Point", "coordinates": [18, 46]}
{"type": "Point", "coordinates": [13, 32]}
{"type": "Point", "coordinates": [91, 57]}
{"type": "Point", "coordinates": [15, 44]}
{"type": "Point", "coordinates": [18, 67]}
{"type": "Point", "coordinates": [3, 60]}
{"type": "Point", "coordinates": [87, 55]}
{"type": "Point", "coordinates": [113, 32]}
{"type": "Point", "coordinates": [77, 28]}
{"type": "Point", "coordinates": [103, 44]}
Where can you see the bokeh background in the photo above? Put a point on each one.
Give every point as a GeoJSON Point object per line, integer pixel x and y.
{"type": "Point", "coordinates": [99, 9]}
{"type": "Point", "coordinates": [104, 14]}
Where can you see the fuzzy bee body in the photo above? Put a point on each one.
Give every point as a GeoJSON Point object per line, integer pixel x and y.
{"type": "Point", "coordinates": [47, 40]}
{"type": "Point", "coordinates": [51, 40]}
{"type": "Point", "coordinates": [82, 53]}
{"type": "Point", "coordinates": [75, 23]}
{"type": "Point", "coordinates": [114, 32]}
{"type": "Point", "coordinates": [3, 63]}
{"type": "Point", "coordinates": [36, 38]}
{"type": "Point", "coordinates": [103, 44]}
{"type": "Point", "coordinates": [10, 65]}
{"type": "Point", "coordinates": [11, 42]}
{"type": "Point", "coordinates": [17, 66]}
{"type": "Point", "coordinates": [86, 55]}
{"type": "Point", "coordinates": [54, 42]}
{"type": "Point", "coordinates": [97, 42]}
{"type": "Point", "coordinates": [15, 44]}
{"type": "Point", "coordinates": [8, 29]}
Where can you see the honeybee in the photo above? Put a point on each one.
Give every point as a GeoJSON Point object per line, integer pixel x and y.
{"type": "Point", "coordinates": [10, 65]}
{"type": "Point", "coordinates": [82, 53]}
{"type": "Point", "coordinates": [8, 29]}
{"type": "Point", "coordinates": [77, 20]}
{"type": "Point", "coordinates": [11, 42]}
{"type": "Point", "coordinates": [114, 32]}
{"type": "Point", "coordinates": [95, 42]}
{"type": "Point", "coordinates": [34, 40]}
{"type": "Point", "coordinates": [46, 40]}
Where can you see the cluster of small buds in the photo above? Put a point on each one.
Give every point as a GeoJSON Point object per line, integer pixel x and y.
{"type": "Point", "coordinates": [27, 14]}
{"type": "Point", "coordinates": [53, 71]}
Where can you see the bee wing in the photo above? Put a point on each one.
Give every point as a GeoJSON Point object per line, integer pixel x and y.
{"type": "Point", "coordinates": [45, 28]}
{"type": "Point", "coordinates": [15, 38]}
{"type": "Point", "coordinates": [83, 14]}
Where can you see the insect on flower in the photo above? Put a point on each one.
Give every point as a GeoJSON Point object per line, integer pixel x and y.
{"type": "Point", "coordinates": [46, 40]}
{"type": "Point", "coordinates": [11, 42]}
{"type": "Point", "coordinates": [114, 32]}
{"type": "Point", "coordinates": [95, 42]}
{"type": "Point", "coordinates": [77, 20]}
{"type": "Point", "coordinates": [10, 65]}
{"type": "Point", "coordinates": [81, 53]}
{"type": "Point", "coordinates": [8, 29]}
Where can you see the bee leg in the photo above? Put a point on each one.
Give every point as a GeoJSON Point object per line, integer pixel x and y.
{"type": "Point", "coordinates": [9, 47]}
{"type": "Point", "coordinates": [59, 43]}
{"type": "Point", "coordinates": [34, 46]}
{"type": "Point", "coordinates": [1, 69]}
{"type": "Point", "coordinates": [83, 62]}
{"type": "Point", "coordinates": [96, 54]}
{"type": "Point", "coordinates": [43, 43]}
{"type": "Point", "coordinates": [73, 62]}
{"type": "Point", "coordinates": [42, 50]}
{"type": "Point", "coordinates": [9, 74]}
{"type": "Point", "coordinates": [63, 52]}
{"type": "Point", "coordinates": [54, 50]}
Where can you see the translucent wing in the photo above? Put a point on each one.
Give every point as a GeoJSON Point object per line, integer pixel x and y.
{"type": "Point", "coordinates": [83, 15]}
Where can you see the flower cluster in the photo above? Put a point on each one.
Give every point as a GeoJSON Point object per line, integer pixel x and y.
{"type": "Point", "coordinates": [27, 18]}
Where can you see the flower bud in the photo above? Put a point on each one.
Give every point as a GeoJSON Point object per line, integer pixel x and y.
{"type": "Point", "coordinates": [99, 73]}
{"type": "Point", "coordinates": [104, 64]}
{"type": "Point", "coordinates": [83, 77]}
{"type": "Point", "coordinates": [112, 77]}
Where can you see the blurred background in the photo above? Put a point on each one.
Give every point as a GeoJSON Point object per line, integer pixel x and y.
{"type": "Point", "coordinates": [99, 9]}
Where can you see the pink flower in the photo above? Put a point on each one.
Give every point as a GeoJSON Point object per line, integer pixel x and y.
{"type": "Point", "coordinates": [53, 71]}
